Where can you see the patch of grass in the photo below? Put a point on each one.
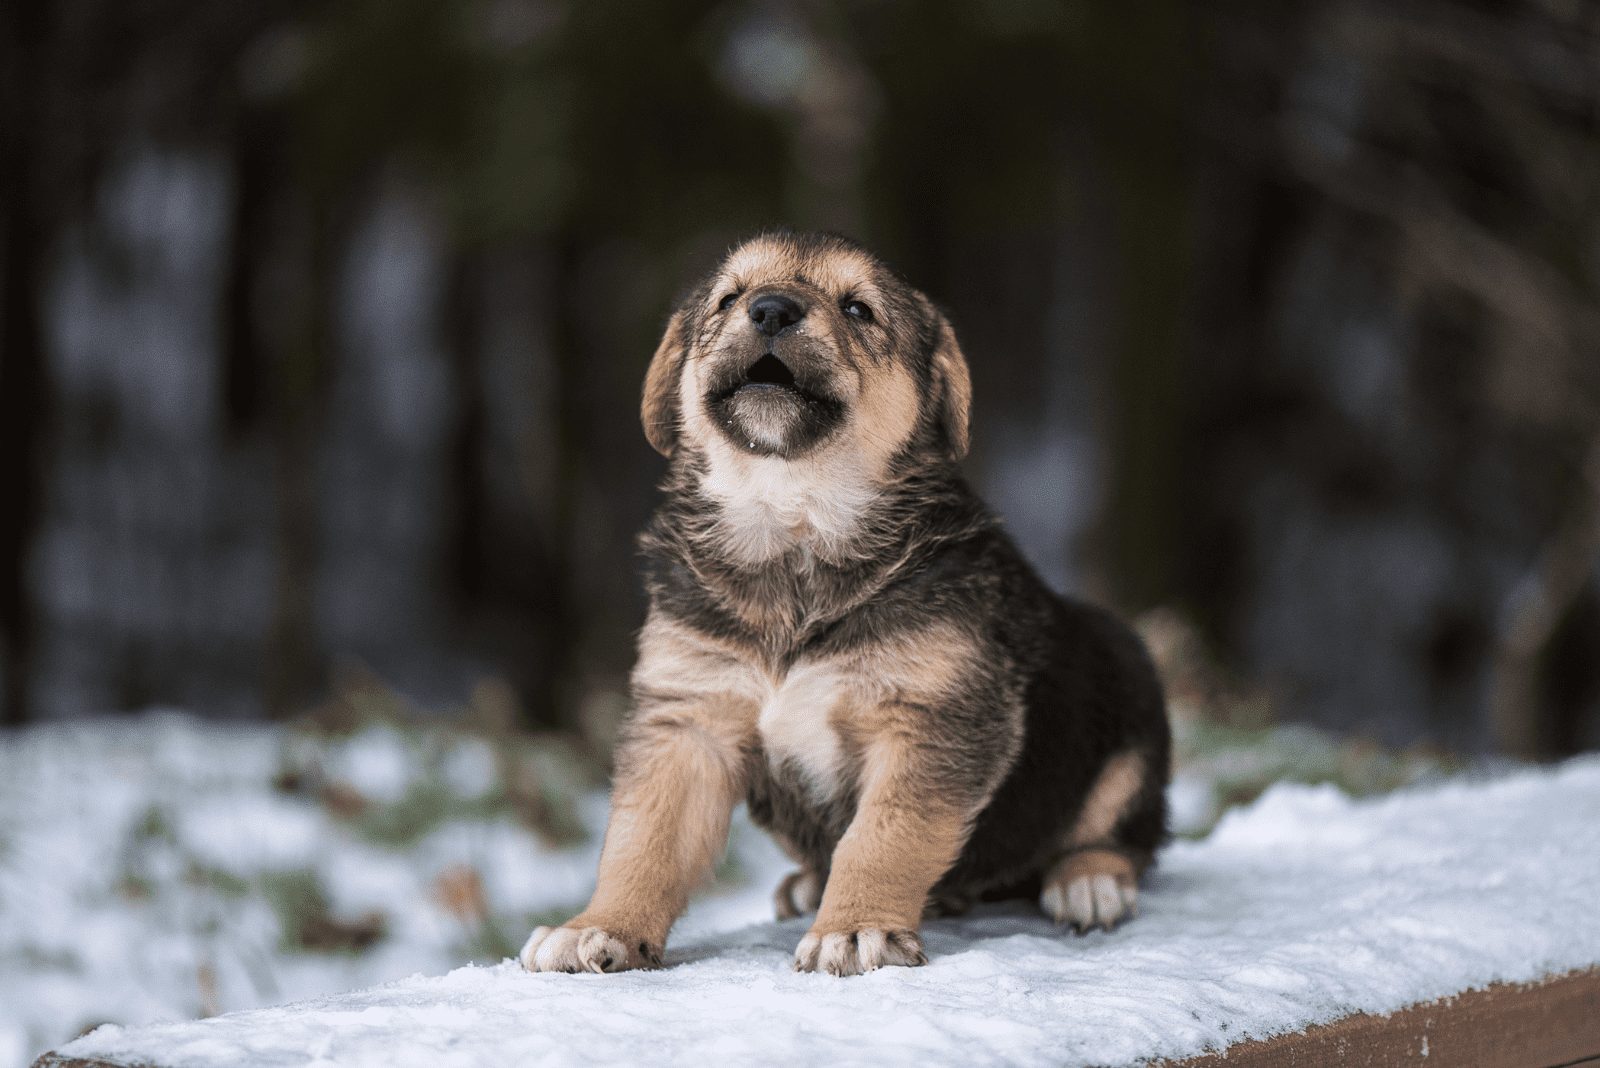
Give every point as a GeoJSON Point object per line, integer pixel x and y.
{"type": "Point", "coordinates": [35, 959]}
{"type": "Point", "coordinates": [544, 782]}
{"type": "Point", "coordinates": [538, 786]}
{"type": "Point", "coordinates": [427, 805]}
{"type": "Point", "coordinates": [306, 917]}
{"type": "Point", "coordinates": [294, 895]}
{"type": "Point", "coordinates": [133, 886]}
{"type": "Point", "coordinates": [536, 778]}
{"type": "Point", "coordinates": [729, 871]}
{"type": "Point", "coordinates": [154, 825]}
{"type": "Point", "coordinates": [223, 882]}
{"type": "Point", "coordinates": [1240, 763]}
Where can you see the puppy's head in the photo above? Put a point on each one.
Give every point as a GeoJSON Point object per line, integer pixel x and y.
{"type": "Point", "coordinates": [799, 344]}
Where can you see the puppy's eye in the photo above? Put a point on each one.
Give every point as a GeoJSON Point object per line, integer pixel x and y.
{"type": "Point", "coordinates": [857, 310]}
{"type": "Point", "coordinates": [727, 302]}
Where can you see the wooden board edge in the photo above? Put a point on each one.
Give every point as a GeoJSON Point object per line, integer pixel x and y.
{"type": "Point", "coordinates": [56, 1060]}
{"type": "Point", "coordinates": [1555, 1021]}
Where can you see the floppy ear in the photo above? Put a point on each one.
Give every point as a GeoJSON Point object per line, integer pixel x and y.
{"type": "Point", "coordinates": [952, 386]}
{"type": "Point", "coordinates": [659, 410]}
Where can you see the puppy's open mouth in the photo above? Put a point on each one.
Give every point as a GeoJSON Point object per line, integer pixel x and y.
{"type": "Point", "coordinates": [768, 376]}
{"type": "Point", "coordinates": [769, 371]}
{"type": "Point", "coordinates": [773, 406]}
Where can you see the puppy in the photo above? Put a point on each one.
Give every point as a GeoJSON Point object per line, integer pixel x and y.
{"type": "Point", "coordinates": [841, 634]}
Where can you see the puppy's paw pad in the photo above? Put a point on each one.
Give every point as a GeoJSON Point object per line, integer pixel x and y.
{"type": "Point", "coordinates": [585, 949]}
{"type": "Point", "coordinates": [863, 949]}
{"type": "Point", "coordinates": [799, 894]}
{"type": "Point", "coordinates": [1094, 888]}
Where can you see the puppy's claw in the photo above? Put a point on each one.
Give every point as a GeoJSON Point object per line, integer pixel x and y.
{"type": "Point", "coordinates": [585, 949]}
{"type": "Point", "coordinates": [865, 949]}
{"type": "Point", "coordinates": [1090, 889]}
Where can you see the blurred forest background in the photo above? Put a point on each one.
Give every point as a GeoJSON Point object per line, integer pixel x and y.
{"type": "Point", "coordinates": [322, 327]}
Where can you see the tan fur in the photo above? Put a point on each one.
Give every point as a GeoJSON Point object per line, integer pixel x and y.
{"type": "Point", "coordinates": [888, 412]}
{"type": "Point", "coordinates": [900, 676]}
{"type": "Point", "coordinates": [798, 894]}
{"type": "Point", "coordinates": [919, 666]}
{"type": "Point", "coordinates": [804, 711]}
{"type": "Point", "coordinates": [1090, 888]}
{"type": "Point", "coordinates": [903, 838]}
{"type": "Point", "coordinates": [955, 383]}
{"type": "Point", "coordinates": [771, 504]}
{"type": "Point", "coordinates": [825, 710]}
{"type": "Point", "coordinates": [660, 383]}
{"type": "Point", "coordinates": [679, 776]}
{"type": "Point", "coordinates": [680, 772]}
{"type": "Point", "coordinates": [887, 862]}
{"type": "Point", "coordinates": [816, 714]}
{"type": "Point", "coordinates": [758, 260]}
{"type": "Point", "coordinates": [678, 661]}
{"type": "Point", "coordinates": [772, 258]}
{"type": "Point", "coordinates": [1108, 800]}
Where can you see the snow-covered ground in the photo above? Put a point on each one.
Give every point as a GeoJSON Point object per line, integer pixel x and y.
{"type": "Point", "coordinates": [133, 857]}
{"type": "Point", "coordinates": [162, 868]}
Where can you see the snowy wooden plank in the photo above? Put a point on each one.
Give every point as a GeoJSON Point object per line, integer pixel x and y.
{"type": "Point", "coordinates": [1507, 1025]}
{"type": "Point", "coordinates": [1293, 917]}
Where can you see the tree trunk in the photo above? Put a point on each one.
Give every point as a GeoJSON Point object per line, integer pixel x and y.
{"type": "Point", "coordinates": [1535, 610]}
{"type": "Point", "coordinates": [24, 373]}
{"type": "Point", "coordinates": [300, 376]}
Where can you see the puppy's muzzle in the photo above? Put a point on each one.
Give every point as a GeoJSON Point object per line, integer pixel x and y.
{"type": "Point", "coordinates": [780, 401]}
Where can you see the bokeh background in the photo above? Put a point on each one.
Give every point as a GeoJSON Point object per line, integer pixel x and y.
{"type": "Point", "coordinates": [323, 328]}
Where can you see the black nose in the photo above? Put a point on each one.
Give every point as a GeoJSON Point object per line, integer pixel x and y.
{"type": "Point", "coordinates": [775, 312]}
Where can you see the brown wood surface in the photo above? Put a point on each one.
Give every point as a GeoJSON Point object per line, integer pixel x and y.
{"type": "Point", "coordinates": [1533, 1025]}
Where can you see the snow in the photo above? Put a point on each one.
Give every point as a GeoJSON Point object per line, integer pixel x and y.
{"type": "Point", "coordinates": [101, 829]}
{"type": "Point", "coordinates": [1298, 909]}
{"type": "Point", "coordinates": [135, 856]}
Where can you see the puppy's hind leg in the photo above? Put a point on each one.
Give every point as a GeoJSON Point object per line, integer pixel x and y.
{"type": "Point", "coordinates": [944, 904]}
{"type": "Point", "coordinates": [799, 894]}
{"type": "Point", "coordinates": [1095, 883]}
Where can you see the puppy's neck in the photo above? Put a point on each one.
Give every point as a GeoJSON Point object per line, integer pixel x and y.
{"type": "Point", "coordinates": [768, 508]}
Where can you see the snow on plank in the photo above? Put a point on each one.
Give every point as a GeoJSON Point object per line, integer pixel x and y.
{"type": "Point", "coordinates": [1304, 909]}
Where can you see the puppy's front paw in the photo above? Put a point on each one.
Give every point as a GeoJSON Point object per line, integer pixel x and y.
{"type": "Point", "coordinates": [856, 950]}
{"type": "Point", "coordinates": [799, 894]}
{"type": "Point", "coordinates": [579, 948]}
{"type": "Point", "coordinates": [1089, 889]}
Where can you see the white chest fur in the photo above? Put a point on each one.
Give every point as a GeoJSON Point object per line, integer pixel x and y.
{"type": "Point", "coordinates": [796, 726]}
{"type": "Point", "coordinates": [769, 506]}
